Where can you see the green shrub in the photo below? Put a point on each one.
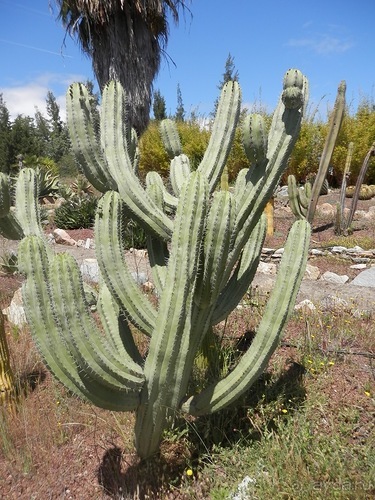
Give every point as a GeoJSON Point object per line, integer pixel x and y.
{"type": "Point", "coordinates": [76, 213]}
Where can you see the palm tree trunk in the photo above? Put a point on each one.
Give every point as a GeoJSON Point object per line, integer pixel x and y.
{"type": "Point", "coordinates": [126, 50]}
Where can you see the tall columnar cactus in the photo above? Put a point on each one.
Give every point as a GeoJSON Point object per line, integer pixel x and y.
{"type": "Point", "coordinates": [335, 123]}
{"type": "Point", "coordinates": [204, 246]}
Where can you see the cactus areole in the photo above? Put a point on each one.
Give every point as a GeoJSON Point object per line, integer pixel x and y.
{"type": "Point", "coordinates": [204, 246]}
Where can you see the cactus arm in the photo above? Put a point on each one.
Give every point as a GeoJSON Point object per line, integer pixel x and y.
{"type": "Point", "coordinates": [86, 343]}
{"type": "Point", "coordinates": [305, 196]}
{"type": "Point", "coordinates": [179, 172]}
{"type": "Point", "coordinates": [84, 138]}
{"type": "Point", "coordinates": [294, 194]}
{"type": "Point", "coordinates": [335, 123]}
{"type": "Point", "coordinates": [27, 208]}
{"type": "Point", "coordinates": [282, 136]}
{"type": "Point", "coordinates": [170, 137]}
{"type": "Point", "coordinates": [280, 304]}
{"type": "Point", "coordinates": [113, 130]}
{"type": "Point", "coordinates": [110, 254]}
{"type": "Point", "coordinates": [47, 332]}
{"type": "Point", "coordinates": [165, 368]}
{"type": "Point", "coordinates": [359, 182]}
{"type": "Point", "coordinates": [239, 282]}
{"type": "Point", "coordinates": [224, 127]}
{"type": "Point", "coordinates": [157, 249]}
{"type": "Point", "coordinates": [215, 250]}
{"type": "Point", "coordinates": [116, 328]}
{"type": "Point", "coordinates": [254, 138]}
{"type": "Point", "coordinates": [170, 201]}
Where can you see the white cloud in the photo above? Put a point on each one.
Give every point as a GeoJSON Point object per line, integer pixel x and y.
{"type": "Point", "coordinates": [24, 97]}
{"type": "Point", "coordinates": [322, 44]}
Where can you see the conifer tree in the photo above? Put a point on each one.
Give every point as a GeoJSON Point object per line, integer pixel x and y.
{"type": "Point", "coordinates": [180, 110]}
{"type": "Point", "coordinates": [159, 107]}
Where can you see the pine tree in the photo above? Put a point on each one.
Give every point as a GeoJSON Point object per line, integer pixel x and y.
{"type": "Point", "coordinates": [5, 131]}
{"type": "Point", "coordinates": [230, 74]}
{"type": "Point", "coordinates": [180, 110]}
{"type": "Point", "coordinates": [159, 107]}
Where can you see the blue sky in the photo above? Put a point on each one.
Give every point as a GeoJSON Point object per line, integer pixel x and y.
{"type": "Point", "coordinates": [328, 40]}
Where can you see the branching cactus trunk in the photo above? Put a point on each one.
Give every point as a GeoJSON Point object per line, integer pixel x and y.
{"type": "Point", "coordinates": [204, 246]}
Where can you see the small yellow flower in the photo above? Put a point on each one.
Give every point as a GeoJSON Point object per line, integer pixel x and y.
{"type": "Point", "coordinates": [321, 363]}
{"type": "Point", "coordinates": [331, 363]}
{"type": "Point", "coordinates": [57, 402]}
{"type": "Point", "coordinates": [309, 361]}
{"type": "Point", "coordinates": [189, 472]}
{"type": "Point", "coordinates": [367, 393]}
{"type": "Point", "coordinates": [284, 410]}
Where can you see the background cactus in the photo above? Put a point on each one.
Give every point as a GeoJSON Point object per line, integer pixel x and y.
{"type": "Point", "coordinates": [204, 246]}
{"type": "Point", "coordinates": [335, 122]}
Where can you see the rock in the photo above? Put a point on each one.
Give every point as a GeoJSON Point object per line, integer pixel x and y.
{"type": "Point", "coordinates": [355, 249]}
{"type": "Point", "coordinates": [358, 266]}
{"type": "Point", "coordinates": [326, 209]}
{"type": "Point", "coordinates": [267, 268]}
{"type": "Point", "coordinates": [338, 249]}
{"type": "Point", "coordinates": [365, 278]}
{"type": "Point", "coordinates": [90, 270]}
{"type": "Point", "coordinates": [63, 237]}
{"type": "Point", "coordinates": [316, 251]}
{"type": "Point", "coordinates": [312, 272]}
{"type": "Point", "coordinates": [334, 278]}
{"type": "Point", "coordinates": [15, 312]}
{"type": "Point", "coordinates": [140, 278]}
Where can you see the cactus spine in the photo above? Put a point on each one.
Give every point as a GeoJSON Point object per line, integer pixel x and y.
{"type": "Point", "coordinates": [204, 247]}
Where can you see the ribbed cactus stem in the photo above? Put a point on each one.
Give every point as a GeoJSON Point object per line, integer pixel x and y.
{"type": "Point", "coordinates": [334, 127]}
{"type": "Point", "coordinates": [166, 370]}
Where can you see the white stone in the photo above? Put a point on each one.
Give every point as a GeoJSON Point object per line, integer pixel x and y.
{"type": "Point", "coordinates": [63, 237]}
{"type": "Point", "coordinates": [334, 278]}
{"type": "Point", "coordinates": [365, 278]}
{"type": "Point", "coordinates": [338, 249]}
{"type": "Point", "coordinates": [15, 312]}
{"type": "Point", "coordinates": [358, 266]}
{"type": "Point", "coordinates": [355, 249]}
{"type": "Point", "coordinates": [316, 251]}
{"type": "Point", "coordinates": [312, 272]}
{"type": "Point", "coordinates": [90, 270]}
{"type": "Point", "coordinates": [267, 268]}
